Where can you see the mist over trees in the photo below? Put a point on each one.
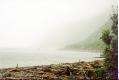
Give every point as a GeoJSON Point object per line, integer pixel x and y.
{"type": "Point", "coordinates": [110, 53]}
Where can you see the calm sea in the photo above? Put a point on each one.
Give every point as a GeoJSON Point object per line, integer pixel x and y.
{"type": "Point", "coordinates": [10, 58]}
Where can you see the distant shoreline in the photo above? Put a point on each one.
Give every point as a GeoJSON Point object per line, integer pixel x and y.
{"type": "Point", "coordinates": [84, 50]}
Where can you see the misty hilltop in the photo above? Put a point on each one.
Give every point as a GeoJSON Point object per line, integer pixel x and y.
{"type": "Point", "coordinates": [91, 43]}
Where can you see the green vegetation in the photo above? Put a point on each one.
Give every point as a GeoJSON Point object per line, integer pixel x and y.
{"type": "Point", "coordinates": [93, 42]}
{"type": "Point", "coordinates": [109, 44]}
{"type": "Point", "coordinates": [110, 53]}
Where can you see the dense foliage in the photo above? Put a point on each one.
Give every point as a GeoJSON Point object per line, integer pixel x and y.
{"type": "Point", "coordinates": [110, 53]}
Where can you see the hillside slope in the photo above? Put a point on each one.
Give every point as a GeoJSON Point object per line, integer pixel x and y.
{"type": "Point", "coordinates": [92, 43]}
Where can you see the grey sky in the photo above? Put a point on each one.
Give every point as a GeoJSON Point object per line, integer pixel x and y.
{"type": "Point", "coordinates": [50, 23]}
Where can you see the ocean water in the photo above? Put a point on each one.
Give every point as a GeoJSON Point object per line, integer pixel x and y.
{"type": "Point", "coordinates": [10, 58]}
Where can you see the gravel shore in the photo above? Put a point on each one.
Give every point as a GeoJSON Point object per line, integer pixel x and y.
{"type": "Point", "coordinates": [65, 71]}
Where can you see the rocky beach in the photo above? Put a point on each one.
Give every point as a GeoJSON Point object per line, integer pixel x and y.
{"type": "Point", "coordinates": [65, 71]}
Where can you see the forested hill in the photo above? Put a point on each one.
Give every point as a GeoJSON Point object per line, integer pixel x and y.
{"type": "Point", "coordinates": [93, 42]}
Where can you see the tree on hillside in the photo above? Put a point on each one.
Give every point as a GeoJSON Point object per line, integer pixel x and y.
{"type": "Point", "coordinates": [110, 38]}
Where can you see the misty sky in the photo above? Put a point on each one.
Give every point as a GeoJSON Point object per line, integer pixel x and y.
{"type": "Point", "coordinates": [50, 23]}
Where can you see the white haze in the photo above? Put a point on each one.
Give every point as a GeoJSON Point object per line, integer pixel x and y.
{"type": "Point", "coordinates": [50, 23]}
